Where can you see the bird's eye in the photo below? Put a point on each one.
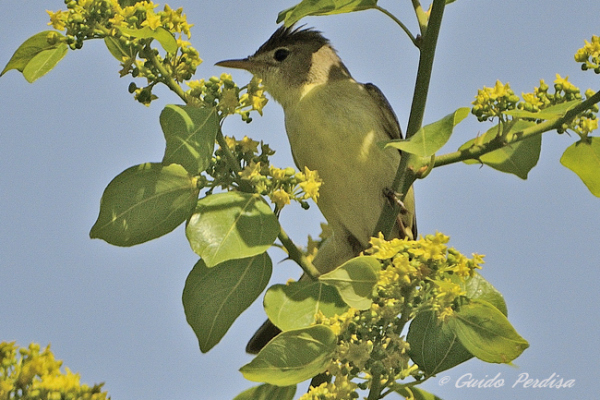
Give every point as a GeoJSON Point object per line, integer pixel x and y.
{"type": "Point", "coordinates": [281, 54]}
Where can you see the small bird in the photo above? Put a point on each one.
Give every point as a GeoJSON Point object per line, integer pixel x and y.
{"type": "Point", "coordinates": [334, 125]}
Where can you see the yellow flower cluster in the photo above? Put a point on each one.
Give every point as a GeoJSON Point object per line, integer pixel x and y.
{"type": "Point", "coordinates": [564, 91]}
{"type": "Point", "coordinates": [425, 265]}
{"type": "Point", "coordinates": [415, 275]}
{"type": "Point", "coordinates": [282, 185]}
{"type": "Point", "coordinates": [342, 388]}
{"type": "Point", "coordinates": [589, 55]}
{"type": "Point", "coordinates": [88, 19]}
{"type": "Point", "coordinates": [491, 102]}
{"type": "Point", "coordinates": [222, 93]}
{"type": "Point", "coordinates": [128, 32]}
{"type": "Point", "coordinates": [35, 374]}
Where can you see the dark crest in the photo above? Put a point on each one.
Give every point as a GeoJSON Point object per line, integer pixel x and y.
{"type": "Point", "coordinates": [289, 36]}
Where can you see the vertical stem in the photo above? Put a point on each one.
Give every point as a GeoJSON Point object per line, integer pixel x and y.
{"type": "Point", "coordinates": [404, 176]}
{"type": "Point", "coordinates": [425, 67]}
{"type": "Point", "coordinates": [375, 391]}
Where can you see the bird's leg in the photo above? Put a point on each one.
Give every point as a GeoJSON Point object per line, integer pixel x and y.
{"type": "Point", "coordinates": [394, 199]}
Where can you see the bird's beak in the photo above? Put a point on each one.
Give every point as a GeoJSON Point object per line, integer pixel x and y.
{"type": "Point", "coordinates": [242, 63]}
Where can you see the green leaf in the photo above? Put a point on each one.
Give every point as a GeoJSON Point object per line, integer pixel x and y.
{"type": "Point", "coordinates": [214, 297]}
{"type": "Point", "coordinates": [355, 280]}
{"type": "Point", "coordinates": [416, 393]}
{"type": "Point", "coordinates": [476, 287]}
{"type": "Point", "coordinates": [545, 115]}
{"type": "Point", "coordinates": [551, 112]}
{"type": "Point", "coordinates": [294, 305]}
{"type": "Point", "coordinates": [433, 346]}
{"type": "Point", "coordinates": [583, 158]}
{"type": "Point", "coordinates": [118, 49]}
{"type": "Point", "coordinates": [432, 137]}
{"type": "Point", "coordinates": [293, 356]}
{"type": "Point", "coordinates": [322, 7]}
{"type": "Point", "coordinates": [44, 62]}
{"type": "Point", "coordinates": [486, 333]}
{"type": "Point", "coordinates": [36, 57]}
{"type": "Point", "coordinates": [163, 36]}
{"type": "Point", "coordinates": [518, 158]}
{"type": "Point", "coordinates": [231, 225]}
{"type": "Point", "coordinates": [190, 133]}
{"type": "Point", "coordinates": [267, 392]}
{"type": "Point", "coordinates": [144, 202]}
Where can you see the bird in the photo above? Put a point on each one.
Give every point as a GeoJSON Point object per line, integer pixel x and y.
{"type": "Point", "coordinates": [335, 125]}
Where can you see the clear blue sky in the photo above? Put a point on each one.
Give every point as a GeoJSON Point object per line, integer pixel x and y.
{"type": "Point", "coordinates": [115, 314]}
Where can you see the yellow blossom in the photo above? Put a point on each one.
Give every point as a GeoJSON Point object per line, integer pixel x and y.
{"type": "Point", "coordinates": [251, 171]}
{"type": "Point", "coordinates": [152, 21]}
{"type": "Point", "coordinates": [231, 142]}
{"type": "Point", "coordinates": [311, 184]}
{"type": "Point", "coordinates": [36, 374]}
{"type": "Point", "coordinates": [383, 249]}
{"type": "Point", "coordinates": [446, 313]}
{"type": "Point", "coordinates": [359, 353]}
{"type": "Point", "coordinates": [448, 290]}
{"type": "Point", "coordinates": [57, 19]}
{"type": "Point", "coordinates": [280, 198]}
{"type": "Point", "coordinates": [249, 145]}
{"type": "Point", "coordinates": [565, 84]}
{"type": "Point", "coordinates": [229, 101]}
{"type": "Point", "coordinates": [277, 173]}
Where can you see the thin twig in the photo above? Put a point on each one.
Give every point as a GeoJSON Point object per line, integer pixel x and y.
{"type": "Point", "coordinates": [400, 24]}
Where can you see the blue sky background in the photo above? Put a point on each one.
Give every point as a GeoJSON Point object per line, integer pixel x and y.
{"type": "Point", "coordinates": [115, 314]}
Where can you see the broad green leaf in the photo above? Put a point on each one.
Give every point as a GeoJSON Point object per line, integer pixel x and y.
{"type": "Point", "coordinates": [166, 39]}
{"type": "Point", "coordinates": [518, 158]}
{"type": "Point", "coordinates": [551, 112]}
{"type": "Point", "coordinates": [545, 115]}
{"type": "Point", "coordinates": [294, 305]}
{"type": "Point", "coordinates": [562, 108]}
{"type": "Point", "coordinates": [190, 133]}
{"type": "Point", "coordinates": [416, 393]}
{"type": "Point", "coordinates": [44, 62]}
{"type": "Point", "coordinates": [231, 225]}
{"type": "Point", "coordinates": [214, 297]}
{"type": "Point", "coordinates": [433, 346]}
{"type": "Point", "coordinates": [293, 356]}
{"type": "Point", "coordinates": [119, 49]}
{"type": "Point", "coordinates": [322, 7]}
{"type": "Point", "coordinates": [163, 36]}
{"type": "Point", "coordinates": [476, 287]}
{"type": "Point", "coordinates": [583, 158]}
{"type": "Point", "coordinates": [36, 57]}
{"type": "Point", "coordinates": [267, 392]}
{"type": "Point", "coordinates": [355, 280]}
{"type": "Point", "coordinates": [432, 137]}
{"type": "Point", "coordinates": [144, 202]}
{"type": "Point", "coordinates": [486, 333]}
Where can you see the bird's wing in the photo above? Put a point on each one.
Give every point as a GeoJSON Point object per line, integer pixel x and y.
{"type": "Point", "coordinates": [390, 121]}
{"type": "Point", "coordinates": [408, 221]}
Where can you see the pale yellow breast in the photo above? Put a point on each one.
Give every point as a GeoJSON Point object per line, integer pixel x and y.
{"type": "Point", "coordinates": [335, 129]}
